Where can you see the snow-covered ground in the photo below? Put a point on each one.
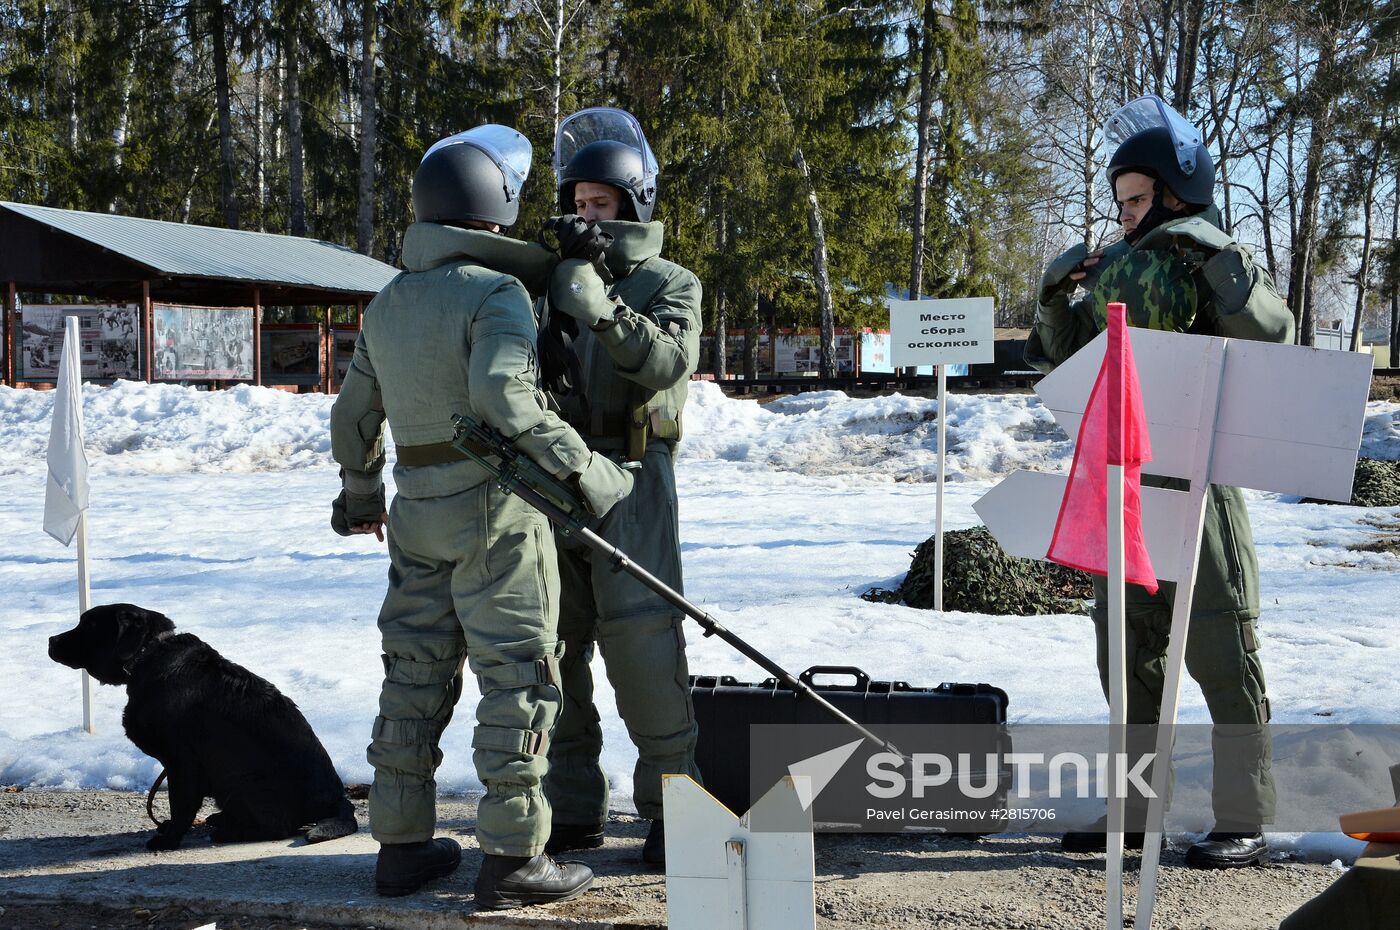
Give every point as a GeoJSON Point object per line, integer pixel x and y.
{"type": "Point", "coordinates": [213, 508]}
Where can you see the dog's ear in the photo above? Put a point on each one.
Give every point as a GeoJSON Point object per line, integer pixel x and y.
{"type": "Point", "coordinates": [135, 626]}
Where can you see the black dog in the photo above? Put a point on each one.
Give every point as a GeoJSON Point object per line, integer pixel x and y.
{"type": "Point", "coordinates": [220, 731]}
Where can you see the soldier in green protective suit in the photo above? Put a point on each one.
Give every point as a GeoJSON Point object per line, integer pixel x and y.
{"type": "Point", "coordinates": [637, 344]}
{"type": "Point", "coordinates": [472, 573]}
{"type": "Point", "coordinates": [1176, 269]}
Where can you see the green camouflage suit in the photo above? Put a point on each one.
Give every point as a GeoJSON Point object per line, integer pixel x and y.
{"type": "Point", "coordinates": [472, 570]}
{"type": "Point", "coordinates": [1187, 275]}
{"type": "Point", "coordinates": [634, 372]}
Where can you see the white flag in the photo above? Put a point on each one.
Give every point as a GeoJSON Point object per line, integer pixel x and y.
{"type": "Point", "coordinates": [67, 495]}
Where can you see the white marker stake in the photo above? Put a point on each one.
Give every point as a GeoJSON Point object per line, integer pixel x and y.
{"type": "Point", "coordinates": [1117, 687]}
{"type": "Point", "coordinates": [938, 507]}
{"type": "Point", "coordinates": [1212, 378]}
{"type": "Point", "coordinates": [84, 601]}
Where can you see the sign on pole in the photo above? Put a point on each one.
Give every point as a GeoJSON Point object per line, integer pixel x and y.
{"type": "Point", "coordinates": [941, 332]}
{"type": "Point", "coordinates": [1258, 415]}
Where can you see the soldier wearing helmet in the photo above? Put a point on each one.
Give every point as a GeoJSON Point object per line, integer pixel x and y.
{"type": "Point", "coordinates": [473, 574]}
{"type": "Point", "coordinates": [1177, 269]}
{"type": "Point", "coordinates": [636, 324]}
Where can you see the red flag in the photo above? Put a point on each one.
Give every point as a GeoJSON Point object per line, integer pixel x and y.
{"type": "Point", "coordinates": [1113, 432]}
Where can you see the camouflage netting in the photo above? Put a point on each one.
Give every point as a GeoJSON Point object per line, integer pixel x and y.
{"type": "Point", "coordinates": [1377, 484]}
{"type": "Point", "coordinates": [979, 577]}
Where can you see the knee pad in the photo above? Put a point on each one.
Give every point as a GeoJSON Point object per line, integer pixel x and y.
{"type": "Point", "coordinates": [407, 747]}
{"type": "Point", "coordinates": [543, 670]}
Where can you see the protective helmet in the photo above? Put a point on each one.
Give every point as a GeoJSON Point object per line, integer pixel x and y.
{"type": "Point", "coordinates": [1152, 138]}
{"type": "Point", "coordinates": [473, 175]}
{"type": "Point", "coordinates": [1157, 287]}
{"type": "Point", "coordinates": [605, 145]}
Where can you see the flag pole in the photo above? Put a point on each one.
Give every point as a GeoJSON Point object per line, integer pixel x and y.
{"type": "Point", "coordinates": [84, 602]}
{"type": "Point", "coordinates": [66, 492]}
{"type": "Point", "coordinates": [938, 497]}
{"type": "Point", "coordinates": [1189, 558]}
{"type": "Point", "coordinates": [1117, 671]}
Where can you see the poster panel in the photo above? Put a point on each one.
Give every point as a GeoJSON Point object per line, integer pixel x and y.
{"type": "Point", "coordinates": [801, 352]}
{"type": "Point", "coordinates": [110, 337]}
{"type": "Point", "coordinates": [290, 354]}
{"type": "Point", "coordinates": [734, 354]}
{"type": "Point", "coordinates": [343, 342]}
{"type": "Point", "coordinates": [203, 343]}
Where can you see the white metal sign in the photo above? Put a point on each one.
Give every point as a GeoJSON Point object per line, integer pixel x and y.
{"type": "Point", "coordinates": [939, 332]}
{"type": "Point", "coordinates": [1219, 411]}
{"type": "Point", "coordinates": [727, 873]}
{"type": "Point", "coordinates": [1289, 421]}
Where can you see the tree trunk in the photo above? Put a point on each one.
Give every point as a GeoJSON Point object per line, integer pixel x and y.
{"type": "Point", "coordinates": [1192, 14]}
{"type": "Point", "coordinates": [719, 350]}
{"type": "Point", "coordinates": [369, 112]}
{"type": "Point", "coordinates": [751, 342]}
{"type": "Point", "coordinates": [1363, 274]}
{"type": "Point", "coordinates": [228, 189]}
{"type": "Point", "coordinates": [259, 179]}
{"type": "Point", "coordinates": [921, 159]}
{"type": "Point", "coordinates": [1089, 100]}
{"type": "Point", "coordinates": [1300, 276]}
{"type": "Point", "coordinates": [1395, 285]}
{"type": "Point", "coordinates": [916, 265]}
{"type": "Point", "coordinates": [820, 275]}
{"type": "Point", "coordinates": [296, 191]}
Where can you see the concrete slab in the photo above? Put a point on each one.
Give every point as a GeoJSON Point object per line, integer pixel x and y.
{"type": "Point", "coordinates": [89, 847]}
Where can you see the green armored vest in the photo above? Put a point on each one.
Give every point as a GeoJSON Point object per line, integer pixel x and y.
{"type": "Point", "coordinates": [618, 409]}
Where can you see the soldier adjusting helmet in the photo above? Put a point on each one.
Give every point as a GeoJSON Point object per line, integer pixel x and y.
{"type": "Point", "coordinates": [473, 175]}
{"type": "Point", "coordinates": [606, 145]}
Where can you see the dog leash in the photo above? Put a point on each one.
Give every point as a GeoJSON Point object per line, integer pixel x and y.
{"type": "Point", "coordinates": [151, 798]}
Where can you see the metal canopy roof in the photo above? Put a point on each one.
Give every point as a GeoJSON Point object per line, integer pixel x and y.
{"type": "Point", "coordinates": [105, 255]}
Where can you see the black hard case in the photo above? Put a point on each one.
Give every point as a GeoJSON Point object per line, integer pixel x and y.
{"type": "Point", "coordinates": [726, 708]}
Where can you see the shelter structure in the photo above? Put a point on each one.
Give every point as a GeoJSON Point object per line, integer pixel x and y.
{"type": "Point", "coordinates": [141, 261]}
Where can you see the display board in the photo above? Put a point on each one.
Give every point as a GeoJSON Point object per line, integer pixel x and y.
{"type": "Point", "coordinates": [343, 349]}
{"type": "Point", "coordinates": [734, 354]}
{"type": "Point", "coordinates": [202, 343]}
{"type": "Point", "coordinates": [291, 353]}
{"type": "Point", "coordinates": [800, 352]}
{"type": "Point", "coordinates": [110, 337]}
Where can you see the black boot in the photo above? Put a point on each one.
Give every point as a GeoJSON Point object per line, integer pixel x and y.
{"type": "Point", "coordinates": [402, 868]}
{"type": "Point", "coordinates": [1095, 839]}
{"type": "Point", "coordinates": [654, 849]}
{"type": "Point", "coordinates": [514, 881]}
{"type": "Point", "coordinates": [566, 836]}
{"type": "Point", "coordinates": [1228, 850]}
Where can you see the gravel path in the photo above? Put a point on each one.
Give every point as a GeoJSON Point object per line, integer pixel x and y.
{"type": "Point", "coordinates": [78, 860]}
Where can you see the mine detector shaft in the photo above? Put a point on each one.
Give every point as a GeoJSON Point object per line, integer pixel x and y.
{"type": "Point", "coordinates": [516, 473]}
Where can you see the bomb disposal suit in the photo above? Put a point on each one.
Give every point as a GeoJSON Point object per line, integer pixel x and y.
{"type": "Point", "coordinates": [1179, 271]}
{"type": "Point", "coordinates": [638, 343]}
{"type": "Point", "coordinates": [472, 569]}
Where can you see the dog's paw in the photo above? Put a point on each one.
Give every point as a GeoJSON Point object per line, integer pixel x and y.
{"type": "Point", "coordinates": [163, 842]}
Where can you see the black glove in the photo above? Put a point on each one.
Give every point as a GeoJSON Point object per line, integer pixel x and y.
{"type": "Point", "coordinates": [350, 510]}
{"type": "Point", "coordinates": [579, 238]}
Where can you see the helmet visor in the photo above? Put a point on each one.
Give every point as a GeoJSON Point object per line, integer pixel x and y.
{"type": "Point", "coordinates": [602, 124]}
{"type": "Point", "coordinates": [1150, 112]}
{"type": "Point", "coordinates": [508, 149]}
